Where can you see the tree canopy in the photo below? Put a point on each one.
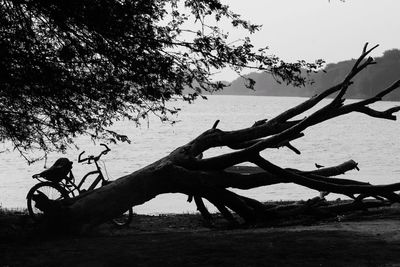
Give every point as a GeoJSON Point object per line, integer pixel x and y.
{"type": "Point", "coordinates": [71, 68]}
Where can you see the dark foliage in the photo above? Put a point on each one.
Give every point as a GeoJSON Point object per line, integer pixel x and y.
{"type": "Point", "coordinates": [69, 68]}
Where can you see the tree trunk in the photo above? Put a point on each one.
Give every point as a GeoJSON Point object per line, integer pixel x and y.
{"type": "Point", "coordinates": [186, 171]}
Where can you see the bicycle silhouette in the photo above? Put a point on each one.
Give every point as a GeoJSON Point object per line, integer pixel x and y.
{"type": "Point", "coordinates": [58, 182]}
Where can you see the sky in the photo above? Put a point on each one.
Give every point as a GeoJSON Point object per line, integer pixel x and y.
{"type": "Point", "coordinates": [313, 29]}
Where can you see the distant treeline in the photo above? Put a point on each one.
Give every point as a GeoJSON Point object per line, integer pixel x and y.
{"type": "Point", "coordinates": [366, 84]}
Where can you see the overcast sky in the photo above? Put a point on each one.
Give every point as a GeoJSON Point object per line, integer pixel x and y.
{"type": "Point", "coordinates": [313, 29]}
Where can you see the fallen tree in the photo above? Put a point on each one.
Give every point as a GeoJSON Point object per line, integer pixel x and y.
{"type": "Point", "coordinates": [186, 171]}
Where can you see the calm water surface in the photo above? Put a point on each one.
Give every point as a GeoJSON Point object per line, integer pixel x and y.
{"type": "Point", "coordinates": [373, 143]}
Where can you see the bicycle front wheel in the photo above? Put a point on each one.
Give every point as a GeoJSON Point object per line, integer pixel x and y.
{"type": "Point", "coordinates": [37, 196]}
{"type": "Point", "coordinates": [124, 219]}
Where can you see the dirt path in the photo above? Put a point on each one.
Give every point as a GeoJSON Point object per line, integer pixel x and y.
{"type": "Point", "coordinates": [182, 241]}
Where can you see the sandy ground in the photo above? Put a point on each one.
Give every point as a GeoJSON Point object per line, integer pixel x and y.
{"type": "Point", "coordinates": [367, 239]}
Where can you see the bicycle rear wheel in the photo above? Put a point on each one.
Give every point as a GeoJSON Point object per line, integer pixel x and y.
{"type": "Point", "coordinates": [124, 219]}
{"type": "Point", "coordinates": [39, 193]}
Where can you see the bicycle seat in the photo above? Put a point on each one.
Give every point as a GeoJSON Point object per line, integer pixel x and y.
{"type": "Point", "coordinates": [58, 171]}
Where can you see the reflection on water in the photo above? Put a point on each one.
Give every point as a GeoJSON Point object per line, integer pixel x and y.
{"type": "Point", "coordinates": [373, 143]}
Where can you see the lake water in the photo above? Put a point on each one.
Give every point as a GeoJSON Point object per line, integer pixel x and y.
{"type": "Point", "coordinates": [373, 143]}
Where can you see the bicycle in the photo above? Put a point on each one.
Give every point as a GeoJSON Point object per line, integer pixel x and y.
{"type": "Point", "coordinates": [58, 182]}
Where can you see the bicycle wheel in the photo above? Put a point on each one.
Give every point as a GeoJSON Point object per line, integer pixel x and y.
{"type": "Point", "coordinates": [124, 219]}
{"type": "Point", "coordinates": [39, 193]}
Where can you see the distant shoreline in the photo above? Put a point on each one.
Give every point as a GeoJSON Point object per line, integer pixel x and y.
{"type": "Point", "coordinates": [366, 84]}
{"type": "Point", "coordinates": [305, 97]}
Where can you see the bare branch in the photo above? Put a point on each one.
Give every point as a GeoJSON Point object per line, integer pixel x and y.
{"type": "Point", "coordinates": [248, 140]}
{"type": "Point", "coordinates": [341, 86]}
{"type": "Point", "coordinates": [215, 124]}
{"type": "Point", "coordinates": [325, 186]}
{"type": "Point", "coordinates": [387, 114]}
{"type": "Point", "coordinates": [392, 87]}
{"type": "Point", "coordinates": [280, 123]}
{"type": "Point", "coordinates": [361, 105]}
{"type": "Point", "coordinates": [335, 170]}
{"type": "Point", "coordinates": [230, 159]}
{"type": "Point", "coordinates": [295, 150]}
{"type": "Point", "coordinates": [246, 177]}
{"type": "Point", "coordinates": [202, 208]}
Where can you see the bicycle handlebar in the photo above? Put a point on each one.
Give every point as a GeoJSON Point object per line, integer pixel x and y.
{"type": "Point", "coordinates": [90, 158]}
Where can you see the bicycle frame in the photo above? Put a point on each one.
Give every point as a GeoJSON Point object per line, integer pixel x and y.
{"type": "Point", "coordinates": [96, 181]}
{"type": "Point", "coordinates": [70, 183]}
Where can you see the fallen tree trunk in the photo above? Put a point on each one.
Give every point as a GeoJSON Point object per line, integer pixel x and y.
{"type": "Point", "coordinates": [185, 170]}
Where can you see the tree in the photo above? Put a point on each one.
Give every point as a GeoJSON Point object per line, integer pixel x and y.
{"type": "Point", "coordinates": [185, 171]}
{"type": "Point", "coordinates": [71, 68]}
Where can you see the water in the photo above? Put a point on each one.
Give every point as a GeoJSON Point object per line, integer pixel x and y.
{"type": "Point", "coordinates": [373, 143]}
